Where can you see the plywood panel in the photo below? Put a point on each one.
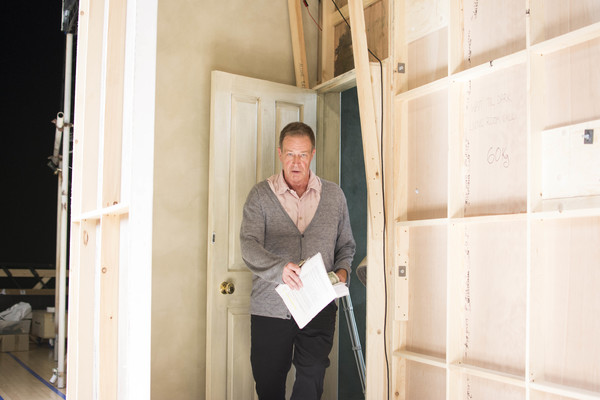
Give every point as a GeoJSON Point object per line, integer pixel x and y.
{"type": "Point", "coordinates": [572, 79]}
{"type": "Point", "coordinates": [552, 18]}
{"type": "Point", "coordinates": [426, 327]}
{"type": "Point", "coordinates": [427, 156]}
{"type": "Point", "coordinates": [494, 288]}
{"type": "Point", "coordinates": [425, 382]}
{"type": "Point", "coordinates": [495, 143]}
{"type": "Point", "coordinates": [490, 31]}
{"type": "Point", "coordinates": [427, 58]}
{"type": "Point", "coordinates": [565, 302]}
{"type": "Point", "coordinates": [478, 388]}
{"type": "Point", "coordinates": [571, 167]}
{"type": "Point", "coordinates": [547, 396]}
{"type": "Point", "coordinates": [424, 17]}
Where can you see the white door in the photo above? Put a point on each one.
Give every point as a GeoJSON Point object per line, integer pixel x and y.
{"type": "Point", "coordinates": [246, 117]}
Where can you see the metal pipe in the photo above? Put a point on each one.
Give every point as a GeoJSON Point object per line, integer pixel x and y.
{"type": "Point", "coordinates": [66, 148]}
{"type": "Point", "coordinates": [56, 161]}
{"type": "Point", "coordinates": [60, 123]}
{"type": "Point", "coordinates": [355, 339]}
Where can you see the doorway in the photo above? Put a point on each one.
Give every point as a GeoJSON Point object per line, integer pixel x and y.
{"type": "Point", "coordinates": [353, 183]}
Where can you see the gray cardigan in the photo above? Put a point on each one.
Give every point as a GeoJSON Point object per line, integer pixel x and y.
{"type": "Point", "coordinates": [270, 239]}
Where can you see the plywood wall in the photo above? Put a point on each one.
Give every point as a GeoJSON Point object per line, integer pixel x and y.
{"type": "Point", "coordinates": [498, 199]}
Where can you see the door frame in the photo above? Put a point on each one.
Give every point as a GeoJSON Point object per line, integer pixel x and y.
{"type": "Point", "coordinates": [329, 125]}
{"type": "Point", "coordinates": [328, 159]}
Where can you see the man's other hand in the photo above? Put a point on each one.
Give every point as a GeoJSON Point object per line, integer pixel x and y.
{"type": "Point", "coordinates": [290, 276]}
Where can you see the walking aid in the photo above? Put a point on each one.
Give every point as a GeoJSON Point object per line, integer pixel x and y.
{"type": "Point", "coordinates": [353, 331]}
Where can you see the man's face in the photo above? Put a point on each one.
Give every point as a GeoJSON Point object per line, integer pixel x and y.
{"type": "Point", "coordinates": [295, 154]}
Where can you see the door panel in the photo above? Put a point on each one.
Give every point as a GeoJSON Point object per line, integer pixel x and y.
{"type": "Point", "coordinates": [243, 163]}
{"type": "Point", "coordinates": [246, 117]}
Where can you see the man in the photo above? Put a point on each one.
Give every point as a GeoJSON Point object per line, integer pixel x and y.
{"type": "Point", "coordinates": [288, 218]}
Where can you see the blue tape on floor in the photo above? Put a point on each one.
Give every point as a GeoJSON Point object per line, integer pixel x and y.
{"type": "Point", "coordinates": [45, 382]}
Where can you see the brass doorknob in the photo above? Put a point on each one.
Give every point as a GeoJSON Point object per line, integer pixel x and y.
{"type": "Point", "coordinates": [227, 288]}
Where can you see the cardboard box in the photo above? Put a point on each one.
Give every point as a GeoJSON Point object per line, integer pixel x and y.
{"type": "Point", "coordinates": [42, 324]}
{"type": "Point", "coordinates": [18, 342]}
{"type": "Point", "coordinates": [15, 327]}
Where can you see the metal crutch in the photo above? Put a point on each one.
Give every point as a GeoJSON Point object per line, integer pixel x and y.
{"type": "Point", "coordinates": [353, 331]}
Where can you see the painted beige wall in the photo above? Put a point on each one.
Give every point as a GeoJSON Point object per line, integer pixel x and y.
{"type": "Point", "coordinates": [195, 37]}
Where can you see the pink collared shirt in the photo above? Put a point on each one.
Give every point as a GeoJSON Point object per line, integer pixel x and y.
{"type": "Point", "coordinates": [300, 209]}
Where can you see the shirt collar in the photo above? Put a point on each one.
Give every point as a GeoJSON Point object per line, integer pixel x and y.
{"type": "Point", "coordinates": [280, 186]}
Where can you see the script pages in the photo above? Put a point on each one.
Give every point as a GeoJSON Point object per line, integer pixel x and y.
{"type": "Point", "coordinates": [316, 292]}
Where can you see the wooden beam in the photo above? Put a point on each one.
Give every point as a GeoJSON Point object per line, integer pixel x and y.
{"type": "Point", "coordinates": [81, 360]}
{"type": "Point", "coordinates": [42, 283]}
{"type": "Point", "coordinates": [111, 153]}
{"type": "Point", "coordinates": [327, 41]}
{"type": "Point", "coordinates": [109, 307]}
{"type": "Point", "coordinates": [25, 273]}
{"type": "Point", "coordinates": [27, 292]}
{"type": "Point", "coordinates": [376, 387]}
{"type": "Point", "coordinates": [298, 47]}
{"type": "Point", "coordinates": [113, 108]}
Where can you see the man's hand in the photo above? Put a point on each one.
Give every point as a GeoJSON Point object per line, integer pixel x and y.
{"type": "Point", "coordinates": [290, 276]}
{"type": "Point", "coordinates": [342, 274]}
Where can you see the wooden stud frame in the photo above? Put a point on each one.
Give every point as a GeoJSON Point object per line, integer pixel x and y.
{"type": "Point", "coordinates": [493, 109]}
{"type": "Point", "coordinates": [111, 220]}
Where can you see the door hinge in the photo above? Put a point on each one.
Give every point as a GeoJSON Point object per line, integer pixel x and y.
{"type": "Point", "coordinates": [213, 238]}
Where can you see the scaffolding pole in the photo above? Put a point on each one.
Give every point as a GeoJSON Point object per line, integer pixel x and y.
{"type": "Point", "coordinates": [62, 273]}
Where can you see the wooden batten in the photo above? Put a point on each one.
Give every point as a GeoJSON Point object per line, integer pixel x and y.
{"type": "Point", "coordinates": [327, 41]}
{"type": "Point", "coordinates": [82, 310]}
{"type": "Point", "coordinates": [376, 387]}
{"type": "Point", "coordinates": [298, 47]}
{"type": "Point", "coordinates": [113, 109]}
{"type": "Point", "coordinates": [109, 306]}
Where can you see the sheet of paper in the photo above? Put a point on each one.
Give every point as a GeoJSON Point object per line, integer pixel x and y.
{"type": "Point", "coordinates": [341, 289]}
{"type": "Point", "coordinates": [316, 292]}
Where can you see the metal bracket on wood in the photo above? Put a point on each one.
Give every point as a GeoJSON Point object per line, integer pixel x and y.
{"type": "Point", "coordinates": [402, 271]}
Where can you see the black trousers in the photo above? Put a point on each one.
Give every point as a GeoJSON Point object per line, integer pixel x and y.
{"type": "Point", "coordinates": [276, 343]}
